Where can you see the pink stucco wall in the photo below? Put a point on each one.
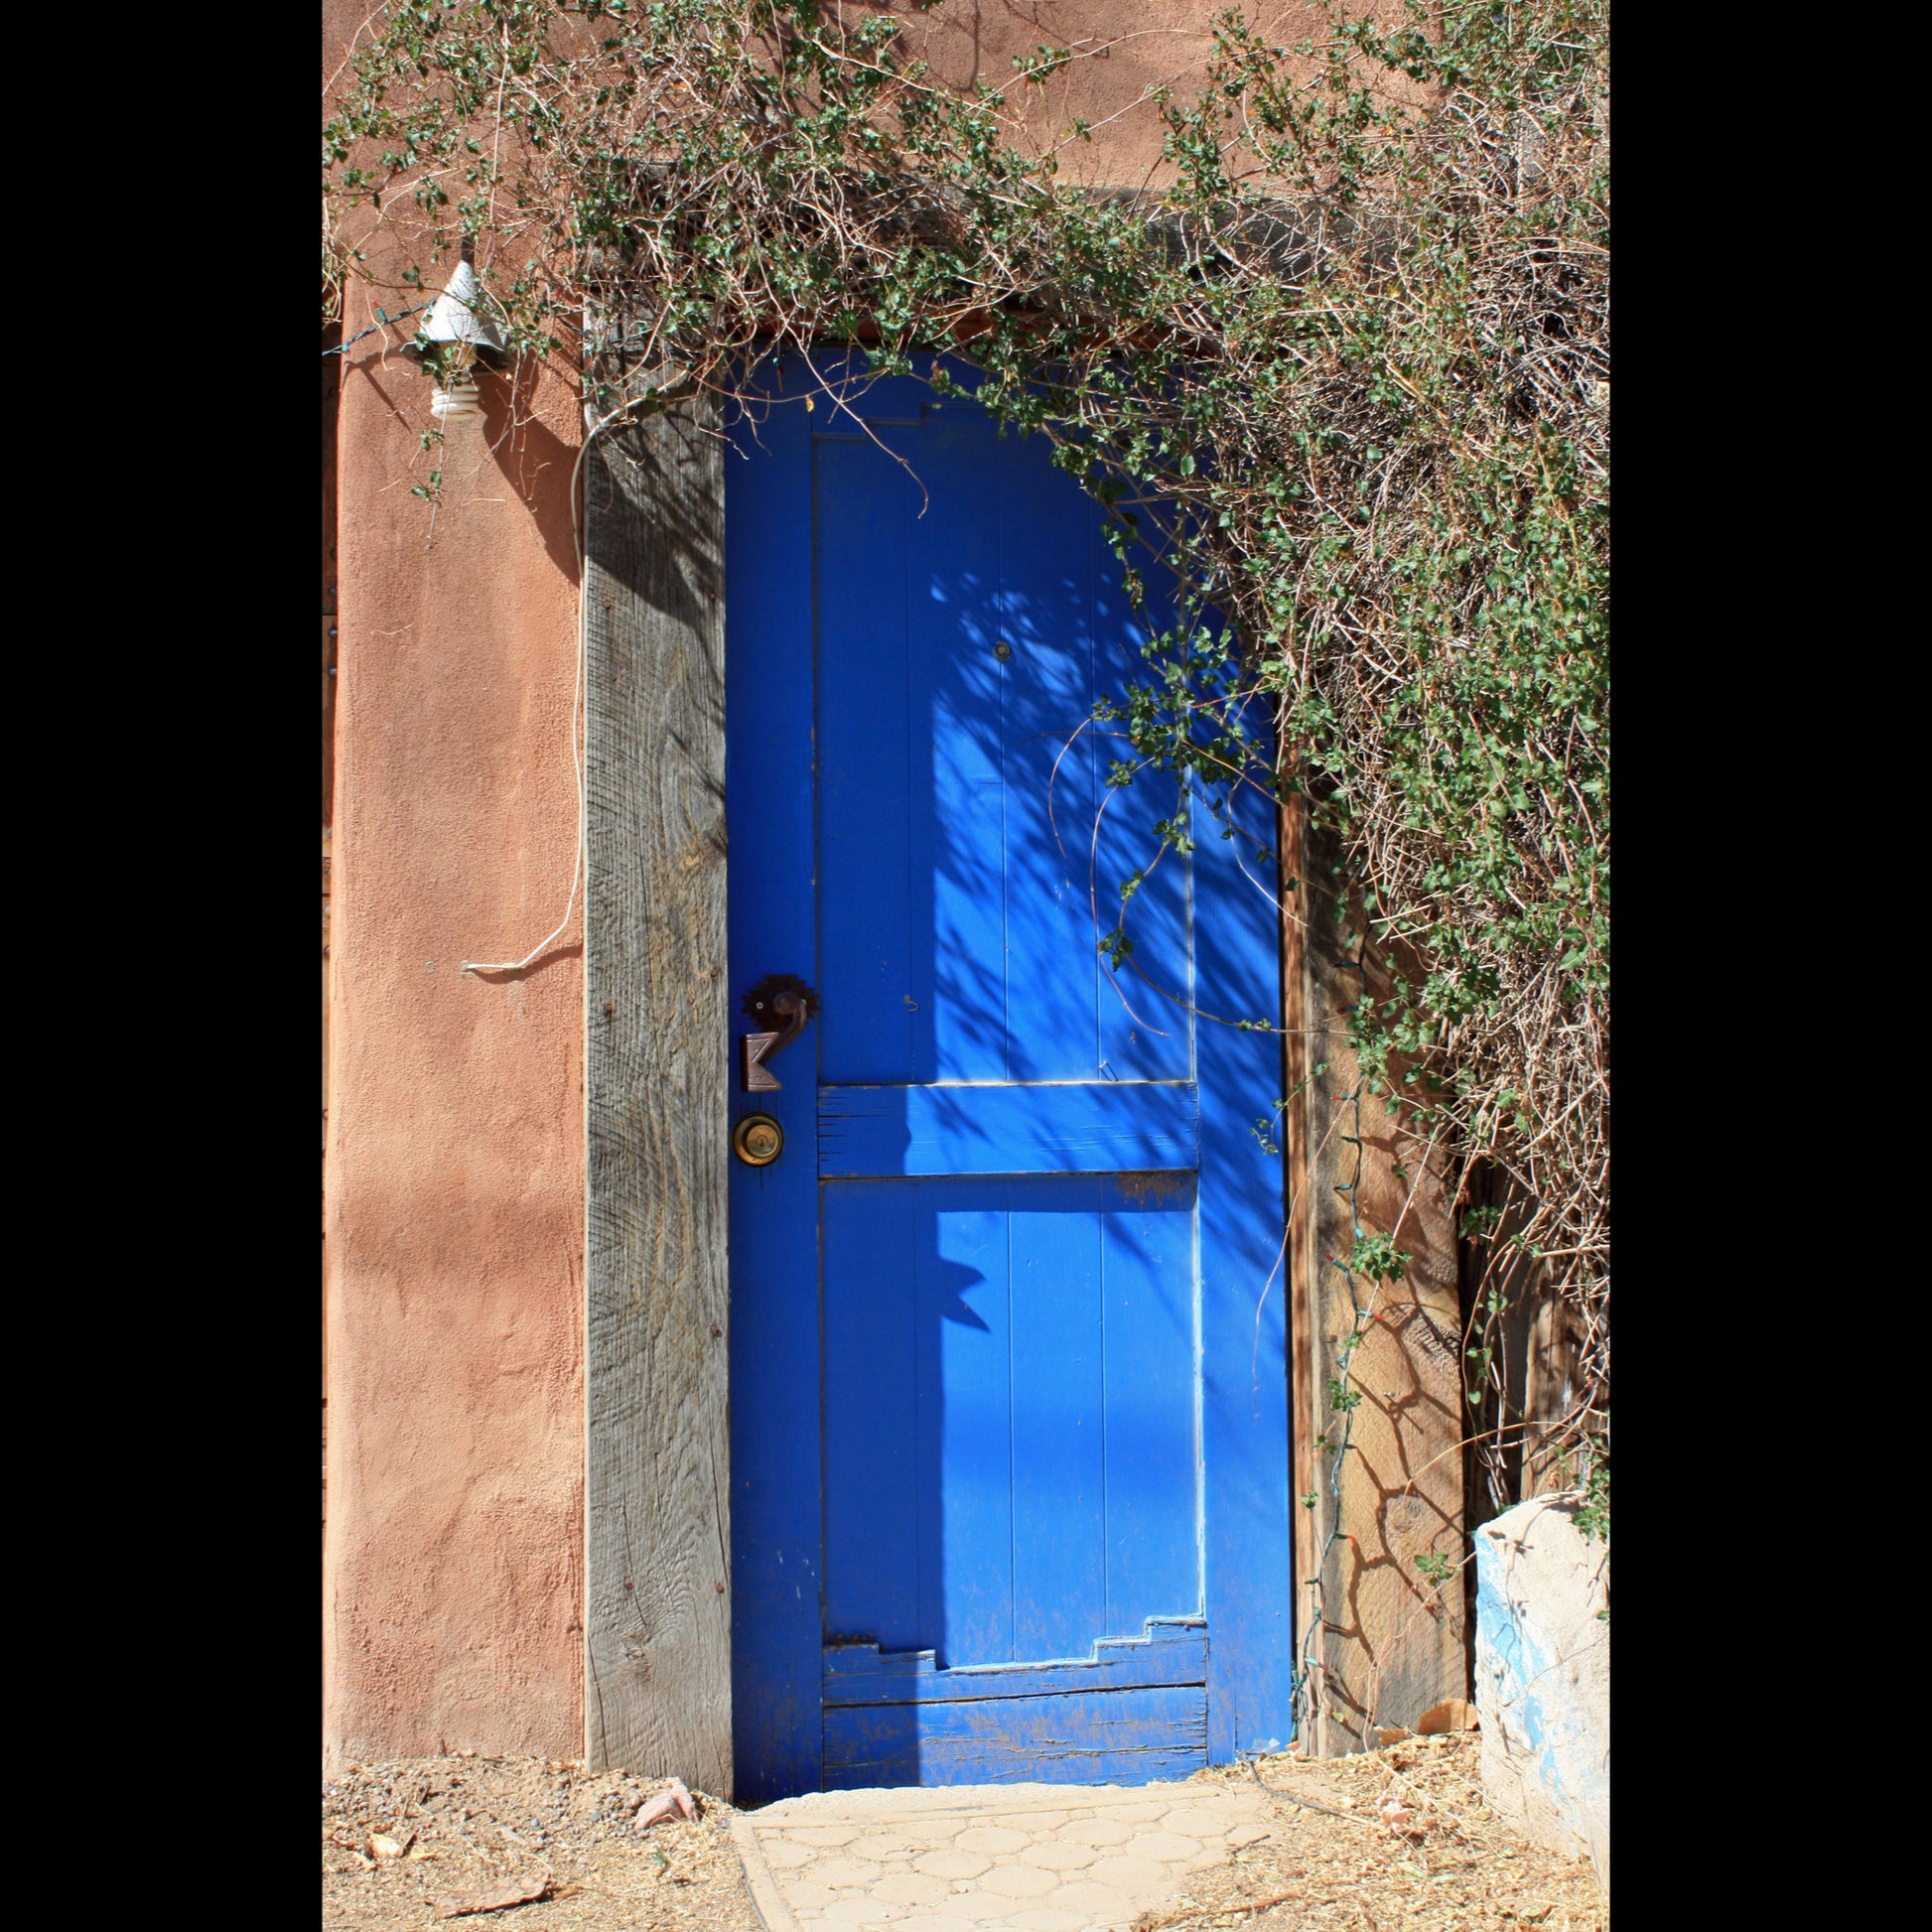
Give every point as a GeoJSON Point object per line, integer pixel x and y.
{"type": "Point", "coordinates": [454, 1161]}
{"type": "Point", "coordinates": [455, 1171]}
{"type": "Point", "coordinates": [455, 1166]}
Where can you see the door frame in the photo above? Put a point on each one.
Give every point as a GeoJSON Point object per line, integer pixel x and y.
{"type": "Point", "coordinates": [659, 1588]}
{"type": "Point", "coordinates": [657, 1614]}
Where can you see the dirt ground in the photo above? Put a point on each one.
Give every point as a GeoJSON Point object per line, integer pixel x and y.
{"type": "Point", "coordinates": [1436, 1860]}
{"type": "Point", "coordinates": [400, 1838]}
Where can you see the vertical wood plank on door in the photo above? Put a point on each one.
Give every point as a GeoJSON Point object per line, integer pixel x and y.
{"type": "Point", "coordinates": [1060, 1417]}
{"type": "Point", "coordinates": [1147, 1348]}
{"type": "Point", "coordinates": [871, 1418]}
{"type": "Point", "coordinates": [1245, 1426]}
{"type": "Point", "coordinates": [868, 934]}
{"type": "Point", "coordinates": [1046, 758]}
{"type": "Point", "coordinates": [958, 815]}
{"type": "Point", "coordinates": [964, 1342]}
{"type": "Point", "coordinates": [778, 1640]}
{"type": "Point", "coordinates": [1302, 1050]}
{"type": "Point", "coordinates": [657, 1689]}
{"type": "Point", "coordinates": [1144, 1018]}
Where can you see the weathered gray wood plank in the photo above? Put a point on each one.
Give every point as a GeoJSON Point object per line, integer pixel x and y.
{"type": "Point", "coordinates": [658, 1531]}
{"type": "Point", "coordinates": [1392, 1644]}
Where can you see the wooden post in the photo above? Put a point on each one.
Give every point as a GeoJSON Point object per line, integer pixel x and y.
{"type": "Point", "coordinates": [1391, 1642]}
{"type": "Point", "coordinates": [657, 1528]}
{"type": "Point", "coordinates": [1555, 1349]}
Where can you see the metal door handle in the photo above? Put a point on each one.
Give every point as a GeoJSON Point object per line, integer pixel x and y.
{"type": "Point", "coordinates": [778, 996]}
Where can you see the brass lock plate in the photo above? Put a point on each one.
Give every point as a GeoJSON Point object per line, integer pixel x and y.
{"type": "Point", "coordinates": [757, 1140]}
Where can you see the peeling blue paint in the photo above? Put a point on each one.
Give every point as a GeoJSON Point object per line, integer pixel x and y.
{"type": "Point", "coordinates": [1532, 1687]}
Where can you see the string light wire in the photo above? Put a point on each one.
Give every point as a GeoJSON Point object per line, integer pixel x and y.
{"type": "Point", "coordinates": [597, 429]}
{"type": "Point", "coordinates": [575, 701]}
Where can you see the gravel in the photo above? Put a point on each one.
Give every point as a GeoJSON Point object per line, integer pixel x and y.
{"type": "Point", "coordinates": [461, 1824]}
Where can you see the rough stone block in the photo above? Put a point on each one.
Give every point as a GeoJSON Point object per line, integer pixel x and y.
{"type": "Point", "coordinates": [1543, 1677]}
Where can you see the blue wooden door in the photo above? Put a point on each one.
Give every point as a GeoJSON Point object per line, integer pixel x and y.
{"type": "Point", "coordinates": [1008, 1411]}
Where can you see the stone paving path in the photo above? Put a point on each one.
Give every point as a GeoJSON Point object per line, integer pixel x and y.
{"type": "Point", "coordinates": [1032, 1858]}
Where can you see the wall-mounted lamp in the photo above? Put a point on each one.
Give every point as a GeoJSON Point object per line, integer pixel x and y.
{"type": "Point", "coordinates": [456, 320]}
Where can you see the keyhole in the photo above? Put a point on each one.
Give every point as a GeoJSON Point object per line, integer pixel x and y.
{"type": "Point", "coordinates": [1002, 650]}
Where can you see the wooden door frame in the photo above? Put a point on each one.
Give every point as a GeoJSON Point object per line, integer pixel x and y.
{"type": "Point", "coordinates": [656, 1503]}
{"type": "Point", "coordinates": [657, 1686]}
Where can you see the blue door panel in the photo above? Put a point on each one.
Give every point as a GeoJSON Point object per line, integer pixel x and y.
{"type": "Point", "coordinates": [964, 878]}
{"type": "Point", "coordinates": [972, 1448]}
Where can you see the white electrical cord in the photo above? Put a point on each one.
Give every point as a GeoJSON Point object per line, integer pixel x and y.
{"type": "Point", "coordinates": [576, 766]}
{"type": "Point", "coordinates": [577, 697]}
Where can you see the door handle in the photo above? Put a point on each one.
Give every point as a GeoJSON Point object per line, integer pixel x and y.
{"type": "Point", "coordinates": [784, 997]}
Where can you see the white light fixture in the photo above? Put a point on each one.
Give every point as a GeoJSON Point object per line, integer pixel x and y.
{"type": "Point", "coordinates": [457, 320]}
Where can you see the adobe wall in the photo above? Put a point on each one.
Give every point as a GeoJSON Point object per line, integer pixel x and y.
{"type": "Point", "coordinates": [454, 1168]}
{"type": "Point", "coordinates": [455, 1161]}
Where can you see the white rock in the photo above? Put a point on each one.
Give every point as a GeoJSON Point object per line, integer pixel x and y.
{"type": "Point", "coordinates": [1543, 1678]}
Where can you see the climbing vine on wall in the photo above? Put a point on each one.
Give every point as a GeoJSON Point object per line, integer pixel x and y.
{"type": "Point", "coordinates": [1347, 370]}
